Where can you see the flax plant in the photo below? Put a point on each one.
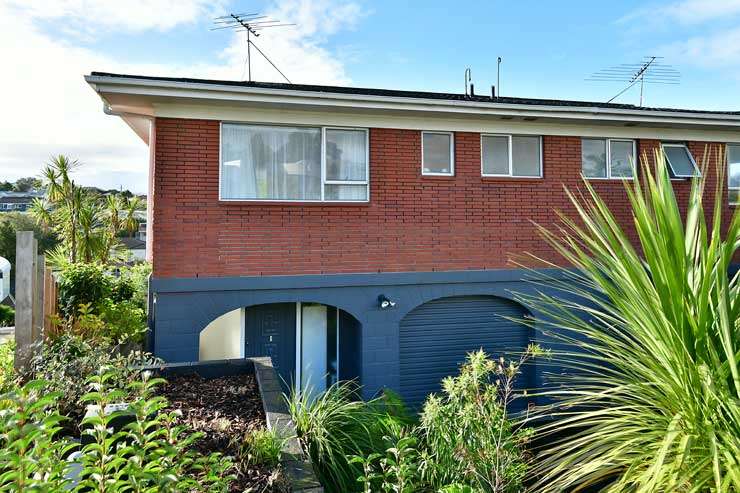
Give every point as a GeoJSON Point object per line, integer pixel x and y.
{"type": "Point", "coordinates": [650, 335]}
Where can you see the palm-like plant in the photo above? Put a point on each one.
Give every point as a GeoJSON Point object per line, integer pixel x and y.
{"type": "Point", "coordinates": [131, 206]}
{"type": "Point", "coordinates": [653, 400]}
{"type": "Point", "coordinates": [86, 225]}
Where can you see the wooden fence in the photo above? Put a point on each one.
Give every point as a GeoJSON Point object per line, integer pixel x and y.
{"type": "Point", "coordinates": [35, 298]}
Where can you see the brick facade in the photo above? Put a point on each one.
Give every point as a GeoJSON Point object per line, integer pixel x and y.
{"type": "Point", "coordinates": [412, 222]}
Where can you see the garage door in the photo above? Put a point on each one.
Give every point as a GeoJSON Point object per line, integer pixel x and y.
{"type": "Point", "coordinates": [436, 336]}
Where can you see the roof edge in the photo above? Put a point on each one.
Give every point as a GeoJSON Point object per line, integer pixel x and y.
{"type": "Point", "coordinates": [389, 99]}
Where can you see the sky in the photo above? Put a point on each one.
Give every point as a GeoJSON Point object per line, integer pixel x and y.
{"type": "Point", "coordinates": [548, 49]}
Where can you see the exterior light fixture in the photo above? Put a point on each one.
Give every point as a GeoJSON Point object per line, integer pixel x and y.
{"type": "Point", "coordinates": [385, 302]}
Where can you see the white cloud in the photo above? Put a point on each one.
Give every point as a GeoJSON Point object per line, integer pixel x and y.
{"type": "Point", "coordinates": [49, 109]}
{"type": "Point", "coordinates": [128, 15]}
{"type": "Point", "coordinates": [686, 12]}
{"type": "Point", "coordinates": [717, 50]}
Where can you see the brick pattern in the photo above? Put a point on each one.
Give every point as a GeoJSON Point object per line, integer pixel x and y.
{"type": "Point", "coordinates": [412, 222]}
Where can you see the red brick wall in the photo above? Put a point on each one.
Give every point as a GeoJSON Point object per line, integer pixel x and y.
{"type": "Point", "coordinates": [412, 223]}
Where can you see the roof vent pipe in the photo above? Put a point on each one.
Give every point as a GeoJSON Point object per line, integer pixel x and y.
{"type": "Point", "coordinates": [493, 91]}
{"type": "Point", "coordinates": [472, 90]}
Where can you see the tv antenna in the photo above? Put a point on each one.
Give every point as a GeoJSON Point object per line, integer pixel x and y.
{"type": "Point", "coordinates": [649, 71]}
{"type": "Point", "coordinates": [252, 24]}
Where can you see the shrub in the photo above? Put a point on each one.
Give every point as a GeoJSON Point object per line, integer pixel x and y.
{"type": "Point", "coordinates": [122, 289]}
{"type": "Point", "coordinates": [149, 454]}
{"type": "Point", "coordinates": [333, 427]}
{"type": "Point", "coordinates": [656, 404]}
{"type": "Point", "coordinates": [82, 284]}
{"type": "Point", "coordinates": [8, 379]}
{"type": "Point", "coordinates": [96, 304]}
{"type": "Point", "coordinates": [138, 276]}
{"type": "Point", "coordinates": [124, 321]}
{"type": "Point", "coordinates": [467, 434]}
{"type": "Point", "coordinates": [7, 316]}
{"type": "Point", "coordinates": [31, 453]}
{"type": "Point", "coordinates": [67, 362]}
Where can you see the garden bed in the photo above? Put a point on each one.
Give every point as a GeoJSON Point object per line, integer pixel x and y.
{"type": "Point", "coordinates": [225, 409]}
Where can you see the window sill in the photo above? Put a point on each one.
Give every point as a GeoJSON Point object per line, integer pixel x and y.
{"type": "Point", "coordinates": [608, 180]}
{"type": "Point", "coordinates": [505, 178]}
{"type": "Point", "coordinates": [293, 203]}
{"type": "Point", "coordinates": [438, 176]}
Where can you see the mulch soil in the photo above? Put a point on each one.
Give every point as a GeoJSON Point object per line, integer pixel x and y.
{"type": "Point", "coordinates": [225, 409]}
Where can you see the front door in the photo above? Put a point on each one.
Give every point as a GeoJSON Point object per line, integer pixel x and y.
{"type": "Point", "coordinates": [270, 331]}
{"type": "Point", "coordinates": [319, 342]}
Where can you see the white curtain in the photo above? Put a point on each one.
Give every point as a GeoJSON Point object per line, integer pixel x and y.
{"type": "Point", "coordinates": [238, 179]}
{"type": "Point", "coordinates": [271, 162]}
{"type": "Point", "coordinates": [346, 161]}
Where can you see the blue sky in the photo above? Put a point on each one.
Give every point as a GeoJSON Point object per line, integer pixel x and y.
{"type": "Point", "coordinates": [548, 49]}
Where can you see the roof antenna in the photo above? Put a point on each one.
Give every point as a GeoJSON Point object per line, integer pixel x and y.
{"type": "Point", "coordinates": [650, 70]}
{"type": "Point", "coordinates": [498, 75]}
{"type": "Point", "coordinates": [467, 78]}
{"type": "Point", "coordinates": [252, 24]}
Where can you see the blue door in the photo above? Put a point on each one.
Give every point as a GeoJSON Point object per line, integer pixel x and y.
{"type": "Point", "coordinates": [270, 331]}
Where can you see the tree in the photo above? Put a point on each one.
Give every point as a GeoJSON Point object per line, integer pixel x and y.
{"type": "Point", "coordinates": [131, 206]}
{"type": "Point", "coordinates": [10, 223]}
{"type": "Point", "coordinates": [86, 224]}
{"type": "Point", "coordinates": [27, 184]}
{"type": "Point", "coordinates": [6, 186]}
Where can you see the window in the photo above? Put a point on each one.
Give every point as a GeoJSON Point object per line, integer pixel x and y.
{"type": "Point", "coordinates": [733, 170]}
{"type": "Point", "coordinates": [437, 153]}
{"type": "Point", "coordinates": [607, 158]}
{"type": "Point", "coordinates": [681, 163]}
{"type": "Point", "coordinates": [511, 155]}
{"type": "Point", "coordinates": [271, 162]}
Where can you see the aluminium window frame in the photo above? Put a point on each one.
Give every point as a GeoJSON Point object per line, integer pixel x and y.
{"type": "Point", "coordinates": [324, 182]}
{"type": "Point", "coordinates": [676, 176]}
{"type": "Point", "coordinates": [608, 163]}
{"type": "Point", "coordinates": [729, 188]}
{"type": "Point", "coordinates": [511, 158]}
{"type": "Point", "coordinates": [452, 152]}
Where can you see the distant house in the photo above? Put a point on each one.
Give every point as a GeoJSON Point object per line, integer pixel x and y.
{"type": "Point", "coordinates": [17, 201]}
{"type": "Point", "coordinates": [4, 278]}
{"type": "Point", "coordinates": [367, 234]}
{"type": "Point", "coordinates": [136, 246]}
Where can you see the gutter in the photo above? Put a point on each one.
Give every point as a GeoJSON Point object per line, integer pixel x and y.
{"type": "Point", "coordinates": [202, 91]}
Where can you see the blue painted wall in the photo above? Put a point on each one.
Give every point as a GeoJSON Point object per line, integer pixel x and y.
{"type": "Point", "coordinates": [184, 307]}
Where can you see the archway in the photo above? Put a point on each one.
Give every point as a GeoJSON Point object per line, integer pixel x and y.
{"type": "Point", "coordinates": [312, 345]}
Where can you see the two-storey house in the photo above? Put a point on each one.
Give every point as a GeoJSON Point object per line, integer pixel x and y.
{"type": "Point", "coordinates": [367, 233]}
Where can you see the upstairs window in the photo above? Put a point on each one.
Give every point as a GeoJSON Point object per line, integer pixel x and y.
{"type": "Point", "coordinates": [681, 163]}
{"type": "Point", "coordinates": [437, 153]}
{"type": "Point", "coordinates": [733, 171]}
{"type": "Point", "coordinates": [276, 163]}
{"type": "Point", "coordinates": [511, 156]}
{"type": "Point", "coordinates": [607, 158]}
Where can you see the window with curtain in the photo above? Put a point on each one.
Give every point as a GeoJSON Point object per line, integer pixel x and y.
{"type": "Point", "coordinates": [437, 153]}
{"type": "Point", "coordinates": [346, 164]}
{"type": "Point", "coordinates": [733, 170]}
{"type": "Point", "coordinates": [607, 158]}
{"type": "Point", "coordinates": [271, 162]}
{"type": "Point", "coordinates": [511, 155]}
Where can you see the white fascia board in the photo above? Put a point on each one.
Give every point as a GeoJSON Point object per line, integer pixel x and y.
{"type": "Point", "coordinates": [193, 91]}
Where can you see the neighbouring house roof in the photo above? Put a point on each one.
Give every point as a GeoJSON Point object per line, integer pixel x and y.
{"type": "Point", "coordinates": [138, 99]}
{"type": "Point", "coordinates": [133, 243]}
